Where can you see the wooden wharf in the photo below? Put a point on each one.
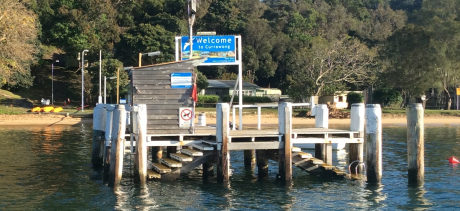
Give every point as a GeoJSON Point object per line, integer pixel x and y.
{"type": "Point", "coordinates": [158, 135]}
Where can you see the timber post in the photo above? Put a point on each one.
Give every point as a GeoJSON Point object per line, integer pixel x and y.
{"type": "Point", "coordinates": [208, 170]}
{"type": "Point", "coordinates": [108, 137]}
{"type": "Point", "coordinates": [99, 116]}
{"type": "Point", "coordinates": [249, 159]}
{"type": "Point", "coordinates": [222, 131]}
{"type": "Point", "coordinates": [285, 129]}
{"type": "Point", "coordinates": [262, 163]}
{"type": "Point", "coordinates": [356, 151]}
{"type": "Point", "coordinates": [118, 139]}
{"type": "Point", "coordinates": [415, 144]}
{"type": "Point", "coordinates": [373, 140]}
{"type": "Point", "coordinates": [141, 144]}
{"type": "Point", "coordinates": [323, 151]}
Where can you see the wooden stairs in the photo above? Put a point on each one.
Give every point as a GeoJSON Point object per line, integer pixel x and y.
{"type": "Point", "coordinates": [307, 162]}
{"type": "Point", "coordinates": [182, 162]}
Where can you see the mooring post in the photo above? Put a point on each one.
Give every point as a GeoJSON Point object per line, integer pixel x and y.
{"type": "Point", "coordinates": [323, 151]}
{"type": "Point", "coordinates": [249, 159]}
{"type": "Point", "coordinates": [118, 139]}
{"type": "Point", "coordinates": [262, 163]}
{"type": "Point", "coordinates": [222, 130]}
{"type": "Point", "coordinates": [285, 129]}
{"type": "Point", "coordinates": [141, 143]}
{"type": "Point", "coordinates": [208, 170]}
{"type": "Point", "coordinates": [108, 137]}
{"type": "Point", "coordinates": [373, 140]}
{"type": "Point", "coordinates": [415, 144]}
{"type": "Point", "coordinates": [99, 116]}
{"type": "Point", "coordinates": [355, 151]}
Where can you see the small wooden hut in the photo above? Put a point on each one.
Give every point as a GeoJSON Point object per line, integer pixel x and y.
{"type": "Point", "coordinates": [166, 89]}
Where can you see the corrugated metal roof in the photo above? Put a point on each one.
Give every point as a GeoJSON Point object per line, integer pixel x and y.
{"type": "Point", "coordinates": [229, 84]}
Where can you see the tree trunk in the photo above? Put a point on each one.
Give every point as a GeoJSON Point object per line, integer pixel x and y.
{"type": "Point", "coordinates": [448, 99]}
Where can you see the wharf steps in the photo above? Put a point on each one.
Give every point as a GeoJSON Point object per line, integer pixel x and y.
{"type": "Point", "coordinates": [191, 158]}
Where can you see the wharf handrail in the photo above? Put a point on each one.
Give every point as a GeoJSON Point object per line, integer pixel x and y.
{"type": "Point", "coordinates": [259, 106]}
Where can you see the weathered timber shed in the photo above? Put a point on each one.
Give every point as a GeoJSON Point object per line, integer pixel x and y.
{"type": "Point", "coordinates": [166, 89]}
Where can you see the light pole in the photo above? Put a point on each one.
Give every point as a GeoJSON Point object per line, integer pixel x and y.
{"type": "Point", "coordinates": [99, 99]}
{"type": "Point", "coordinates": [83, 79]}
{"type": "Point", "coordinates": [105, 87]}
{"type": "Point", "coordinates": [52, 81]}
{"type": "Point", "coordinates": [155, 53]}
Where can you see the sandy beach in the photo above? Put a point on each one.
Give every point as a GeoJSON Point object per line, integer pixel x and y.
{"type": "Point", "coordinates": [51, 120]}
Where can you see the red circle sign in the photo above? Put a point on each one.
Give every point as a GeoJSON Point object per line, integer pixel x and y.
{"type": "Point", "coordinates": [186, 114]}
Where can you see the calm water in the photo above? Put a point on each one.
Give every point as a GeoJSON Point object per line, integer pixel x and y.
{"type": "Point", "coordinates": [48, 168]}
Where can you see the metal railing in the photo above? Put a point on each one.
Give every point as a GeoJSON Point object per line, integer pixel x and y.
{"type": "Point", "coordinates": [259, 111]}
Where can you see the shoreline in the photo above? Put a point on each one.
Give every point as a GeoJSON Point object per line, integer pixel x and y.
{"type": "Point", "coordinates": [54, 120]}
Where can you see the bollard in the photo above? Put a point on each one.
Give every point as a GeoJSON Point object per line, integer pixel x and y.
{"type": "Point", "coordinates": [285, 154]}
{"type": "Point", "coordinates": [202, 119]}
{"type": "Point", "coordinates": [355, 152]}
{"type": "Point", "coordinates": [373, 140]}
{"type": "Point", "coordinates": [99, 116]}
{"type": "Point", "coordinates": [141, 144]}
{"type": "Point", "coordinates": [323, 151]}
{"type": "Point", "coordinates": [108, 135]}
{"type": "Point", "coordinates": [222, 130]}
{"type": "Point", "coordinates": [415, 144]}
{"type": "Point", "coordinates": [117, 145]}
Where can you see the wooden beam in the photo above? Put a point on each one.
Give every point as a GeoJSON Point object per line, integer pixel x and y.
{"type": "Point", "coordinates": [222, 130]}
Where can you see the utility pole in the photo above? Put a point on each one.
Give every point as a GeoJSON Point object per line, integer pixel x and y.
{"type": "Point", "coordinates": [191, 20]}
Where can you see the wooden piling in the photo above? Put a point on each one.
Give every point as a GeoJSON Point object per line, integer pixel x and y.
{"type": "Point", "coordinates": [285, 154]}
{"type": "Point", "coordinates": [208, 170]}
{"type": "Point", "coordinates": [117, 145]}
{"type": "Point", "coordinates": [141, 148]}
{"type": "Point", "coordinates": [249, 159]}
{"type": "Point", "coordinates": [355, 151]}
{"type": "Point", "coordinates": [222, 130]}
{"type": "Point", "coordinates": [323, 151]}
{"type": "Point", "coordinates": [108, 137]}
{"type": "Point", "coordinates": [99, 116]}
{"type": "Point", "coordinates": [262, 163]}
{"type": "Point", "coordinates": [415, 144]}
{"type": "Point", "coordinates": [373, 140]}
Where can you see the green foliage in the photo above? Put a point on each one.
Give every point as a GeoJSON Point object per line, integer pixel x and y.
{"type": "Point", "coordinates": [387, 97]}
{"type": "Point", "coordinates": [207, 99]}
{"type": "Point", "coordinates": [201, 81]}
{"type": "Point", "coordinates": [247, 99]}
{"type": "Point", "coordinates": [354, 97]}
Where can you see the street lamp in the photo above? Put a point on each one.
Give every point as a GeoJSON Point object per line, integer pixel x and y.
{"type": "Point", "coordinates": [52, 81]}
{"type": "Point", "coordinates": [105, 87]}
{"type": "Point", "coordinates": [99, 99]}
{"type": "Point", "coordinates": [83, 79]}
{"type": "Point", "coordinates": [155, 53]}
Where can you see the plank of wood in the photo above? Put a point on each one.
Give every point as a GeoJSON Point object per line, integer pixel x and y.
{"type": "Point", "coordinates": [311, 168]}
{"type": "Point", "coordinates": [157, 107]}
{"type": "Point", "coordinates": [296, 149]}
{"type": "Point", "coordinates": [304, 155]}
{"type": "Point", "coordinates": [171, 163]}
{"type": "Point", "coordinates": [163, 122]}
{"type": "Point", "coordinates": [339, 172]}
{"type": "Point", "coordinates": [202, 146]}
{"type": "Point", "coordinates": [165, 102]}
{"type": "Point", "coordinates": [160, 168]}
{"type": "Point", "coordinates": [192, 152]}
{"type": "Point", "coordinates": [154, 112]}
{"type": "Point", "coordinates": [167, 131]}
{"type": "Point", "coordinates": [255, 145]}
{"type": "Point", "coordinates": [177, 96]}
{"type": "Point", "coordinates": [152, 77]}
{"type": "Point", "coordinates": [153, 175]}
{"type": "Point", "coordinates": [316, 161]}
{"type": "Point", "coordinates": [162, 117]}
{"type": "Point", "coordinates": [181, 157]}
{"type": "Point", "coordinates": [153, 82]}
{"type": "Point", "coordinates": [326, 166]}
{"type": "Point", "coordinates": [148, 91]}
{"type": "Point", "coordinates": [188, 167]}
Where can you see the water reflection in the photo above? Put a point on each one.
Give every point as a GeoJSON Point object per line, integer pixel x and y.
{"type": "Point", "coordinates": [48, 168]}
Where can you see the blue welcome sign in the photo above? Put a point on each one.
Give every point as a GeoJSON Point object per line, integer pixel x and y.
{"type": "Point", "coordinates": [218, 49]}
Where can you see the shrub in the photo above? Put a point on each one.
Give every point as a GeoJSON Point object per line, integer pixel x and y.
{"type": "Point", "coordinates": [387, 97]}
{"type": "Point", "coordinates": [207, 99]}
{"type": "Point", "coordinates": [354, 97]}
{"type": "Point", "coordinates": [247, 99]}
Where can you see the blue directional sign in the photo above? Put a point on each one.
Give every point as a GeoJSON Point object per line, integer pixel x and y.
{"type": "Point", "coordinates": [218, 49]}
